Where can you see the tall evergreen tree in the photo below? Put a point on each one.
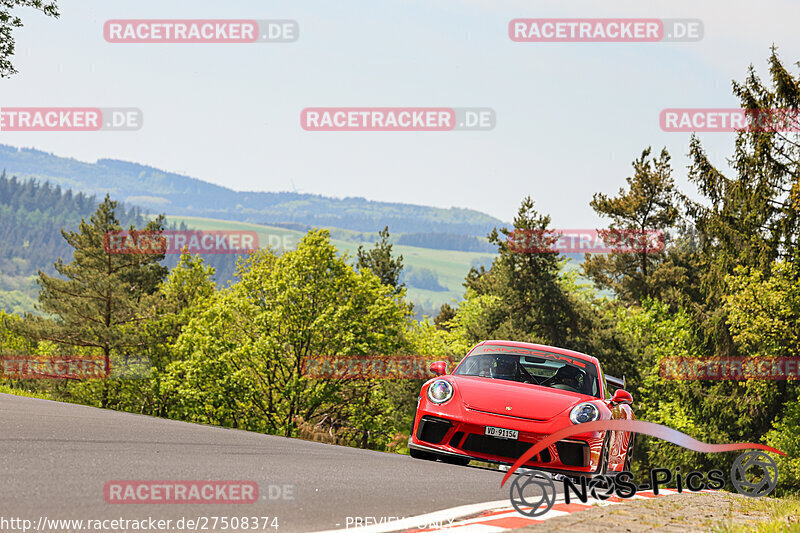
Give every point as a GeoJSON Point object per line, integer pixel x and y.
{"type": "Point", "coordinates": [750, 218]}
{"type": "Point", "coordinates": [754, 216]}
{"type": "Point", "coordinates": [101, 300]}
{"type": "Point", "coordinates": [531, 302]}
{"type": "Point", "coordinates": [649, 204]}
{"type": "Point", "coordinates": [380, 261]}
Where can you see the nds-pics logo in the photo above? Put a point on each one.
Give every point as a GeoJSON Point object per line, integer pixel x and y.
{"type": "Point", "coordinates": [753, 474]}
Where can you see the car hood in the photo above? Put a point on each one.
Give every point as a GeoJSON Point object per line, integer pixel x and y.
{"type": "Point", "coordinates": [524, 400]}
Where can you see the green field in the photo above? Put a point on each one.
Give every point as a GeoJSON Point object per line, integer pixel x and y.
{"type": "Point", "coordinates": [450, 266]}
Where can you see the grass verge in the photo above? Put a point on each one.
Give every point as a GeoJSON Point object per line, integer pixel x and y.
{"type": "Point", "coordinates": [19, 392]}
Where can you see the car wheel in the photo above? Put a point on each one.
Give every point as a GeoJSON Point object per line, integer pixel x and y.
{"type": "Point", "coordinates": [629, 454]}
{"type": "Point", "coordinates": [418, 454]}
{"type": "Point", "coordinates": [452, 460]}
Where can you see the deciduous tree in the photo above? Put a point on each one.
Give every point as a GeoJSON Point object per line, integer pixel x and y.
{"type": "Point", "coordinates": [9, 21]}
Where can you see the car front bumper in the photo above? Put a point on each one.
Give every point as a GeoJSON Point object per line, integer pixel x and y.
{"type": "Point", "coordinates": [461, 433]}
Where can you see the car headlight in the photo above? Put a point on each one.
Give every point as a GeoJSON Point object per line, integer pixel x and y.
{"type": "Point", "coordinates": [584, 412]}
{"type": "Point", "coordinates": [440, 391]}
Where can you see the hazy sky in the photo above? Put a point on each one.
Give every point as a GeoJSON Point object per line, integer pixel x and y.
{"type": "Point", "coordinates": [570, 116]}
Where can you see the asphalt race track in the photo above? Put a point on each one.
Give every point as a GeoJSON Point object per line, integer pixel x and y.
{"type": "Point", "coordinates": [55, 459]}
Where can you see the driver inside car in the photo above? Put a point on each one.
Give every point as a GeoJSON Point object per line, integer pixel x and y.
{"type": "Point", "coordinates": [505, 368]}
{"type": "Point", "coordinates": [483, 366]}
{"type": "Point", "coordinates": [568, 376]}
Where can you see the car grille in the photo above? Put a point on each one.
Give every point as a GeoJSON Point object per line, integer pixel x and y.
{"type": "Point", "coordinates": [573, 453]}
{"type": "Point", "coordinates": [455, 440]}
{"type": "Point", "coordinates": [432, 429]}
{"type": "Point", "coordinates": [502, 447]}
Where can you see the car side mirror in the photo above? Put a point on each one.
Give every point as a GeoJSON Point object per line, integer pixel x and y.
{"type": "Point", "coordinates": [622, 396]}
{"type": "Point", "coordinates": [439, 368]}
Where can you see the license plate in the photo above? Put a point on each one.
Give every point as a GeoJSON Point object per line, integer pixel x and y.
{"type": "Point", "coordinates": [501, 433]}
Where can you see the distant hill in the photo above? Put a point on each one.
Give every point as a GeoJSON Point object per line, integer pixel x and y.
{"type": "Point", "coordinates": [432, 276]}
{"type": "Point", "coordinates": [164, 192]}
{"type": "Point", "coordinates": [32, 216]}
{"type": "Point", "coordinates": [33, 213]}
{"type": "Point", "coordinates": [448, 241]}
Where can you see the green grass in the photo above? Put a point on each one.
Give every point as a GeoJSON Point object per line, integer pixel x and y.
{"type": "Point", "coordinates": [19, 392]}
{"type": "Point", "coordinates": [18, 294]}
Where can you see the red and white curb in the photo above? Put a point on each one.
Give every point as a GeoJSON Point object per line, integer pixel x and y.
{"type": "Point", "coordinates": [508, 518]}
{"type": "Point", "coordinates": [441, 519]}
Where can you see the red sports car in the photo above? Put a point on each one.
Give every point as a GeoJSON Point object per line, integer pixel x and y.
{"type": "Point", "coordinates": [505, 396]}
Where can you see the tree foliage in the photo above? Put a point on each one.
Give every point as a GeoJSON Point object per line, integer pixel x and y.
{"type": "Point", "coordinates": [381, 262]}
{"type": "Point", "coordinates": [522, 296]}
{"type": "Point", "coordinates": [32, 215]}
{"type": "Point", "coordinates": [9, 21]}
{"type": "Point", "coordinates": [648, 205]}
{"type": "Point", "coordinates": [727, 284]}
{"type": "Point", "coordinates": [101, 300]}
{"type": "Point", "coordinates": [241, 359]}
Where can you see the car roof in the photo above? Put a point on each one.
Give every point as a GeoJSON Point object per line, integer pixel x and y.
{"type": "Point", "coordinates": [543, 347]}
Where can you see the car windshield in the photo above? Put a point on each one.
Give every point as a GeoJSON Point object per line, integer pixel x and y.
{"type": "Point", "coordinates": [541, 368]}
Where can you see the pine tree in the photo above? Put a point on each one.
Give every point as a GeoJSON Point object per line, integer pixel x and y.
{"type": "Point", "coordinates": [380, 261]}
{"type": "Point", "coordinates": [531, 301]}
{"type": "Point", "coordinates": [752, 217]}
{"type": "Point", "coordinates": [101, 299]}
{"type": "Point", "coordinates": [649, 204]}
